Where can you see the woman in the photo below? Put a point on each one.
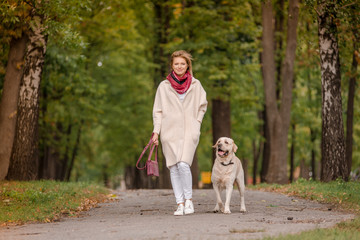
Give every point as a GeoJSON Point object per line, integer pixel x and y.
{"type": "Point", "coordinates": [179, 107]}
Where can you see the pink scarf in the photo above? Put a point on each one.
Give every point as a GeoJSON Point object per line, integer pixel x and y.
{"type": "Point", "coordinates": [180, 84]}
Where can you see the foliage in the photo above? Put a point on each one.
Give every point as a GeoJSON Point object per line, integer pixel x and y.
{"type": "Point", "coordinates": [70, 99]}
{"type": "Point", "coordinates": [123, 67]}
{"type": "Point", "coordinates": [222, 37]}
{"type": "Point", "coordinates": [306, 106]}
{"type": "Point", "coordinates": [17, 16]}
{"type": "Point", "coordinates": [101, 89]}
{"type": "Point", "coordinates": [46, 201]}
{"type": "Point", "coordinates": [100, 67]}
{"type": "Point", "coordinates": [348, 25]}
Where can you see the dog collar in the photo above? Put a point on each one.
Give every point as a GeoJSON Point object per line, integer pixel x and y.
{"type": "Point", "coordinates": [227, 164]}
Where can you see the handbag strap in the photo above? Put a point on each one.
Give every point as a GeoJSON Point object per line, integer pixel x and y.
{"type": "Point", "coordinates": [151, 151]}
{"type": "Point", "coordinates": [151, 145]}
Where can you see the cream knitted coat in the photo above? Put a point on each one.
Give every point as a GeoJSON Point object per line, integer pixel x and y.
{"type": "Point", "coordinates": [178, 123]}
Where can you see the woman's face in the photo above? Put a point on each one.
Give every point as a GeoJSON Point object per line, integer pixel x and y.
{"type": "Point", "coordinates": [179, 66]}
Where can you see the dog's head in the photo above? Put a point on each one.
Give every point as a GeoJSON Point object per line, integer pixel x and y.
{"type": "Point", "coordinates": [224, 147]}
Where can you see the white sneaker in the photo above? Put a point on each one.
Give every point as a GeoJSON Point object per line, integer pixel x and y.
{"type": "Point", "coordinates": [189, 207]}
{"type": "Point", "coordinates": [180, 210]}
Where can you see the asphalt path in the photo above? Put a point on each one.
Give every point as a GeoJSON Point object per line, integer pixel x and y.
{"type": "Point", "coordinates": [148, 214]}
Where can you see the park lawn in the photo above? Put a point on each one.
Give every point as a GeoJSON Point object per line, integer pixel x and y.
{"type": "Point", "coordinates": [341, 195]}
{"type": "Point", "coordinates": [46, 201]}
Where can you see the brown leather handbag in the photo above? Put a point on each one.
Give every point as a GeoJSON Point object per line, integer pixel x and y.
{"type": "Point", "coordinates": [152, 167]}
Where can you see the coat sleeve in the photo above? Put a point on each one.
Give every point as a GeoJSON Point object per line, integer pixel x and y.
{"type": "Point", "coordinates": [203, 105]}
{"type": "Point", "coordinates": [157, 112]}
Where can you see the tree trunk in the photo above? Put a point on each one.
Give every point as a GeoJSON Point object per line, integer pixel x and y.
{"type": "Point", "coordinates": [44, 148]}
{"type": "Point", "coordinates": [50, 165]}
{"type": "Point", "coordinates": [256, 155]}
{"type": "Point", "coordinates": [65, 160]}
{"type": "Point", "coordinates": [278, 119]}
{"type": "Point", "coordinates": [268, 65]}
{"type": "Point", "coordinates": [350, 107]}
{"type": "Point", "coordinates": [162, 24]}
{"type": "Point", "coordinates": [105, 175]}
{"type": "Point", "coordinates": [53, 163]}
{"type": "Point", "coordinates": [258, 150]}
{"type": "Point", "coordinates": [292, 153]}
{"type": "Point", "coordinates": [264, 132]}
{"type": "Point", "coordinates": [333, 163]}
{"type": "Point", "coordinates": [313, 162]}
{"type": "Point", "coordinates": [221, 122]}
{"type": "Point", "coordinates": [245, 164]}
{"type": "Point", "coordinates": [266, 152]}
{"type": "Point", "coordinates": [9, 100]}
{"type": "Point", "coordinates": [313, 132]}
{"type": "Point", "coordinates": [304, 170]}
{"type": "Point", "coordinates": [74, 153]}
{"type": "Point", "coordinates": [195, 172]}
{"type": "Point", "coordinates": [130, 177]}
{"type": "Point", "coordinates": [279, 29]}
{"type": "Point", "coordinates": [24, 157]}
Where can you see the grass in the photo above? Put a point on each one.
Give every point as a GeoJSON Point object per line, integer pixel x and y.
{"type": "Point", "coordinates": [341, 195]}
{"type": "Point", "coordinates": [46, 201]}
{"type": "Point", "coordinates": [234, 230]}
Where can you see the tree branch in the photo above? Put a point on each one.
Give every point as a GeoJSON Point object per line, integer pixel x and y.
{"type": "Point", "coordinates": [347, 5]}
{"type": "Point", "coordinates": [317, 11]}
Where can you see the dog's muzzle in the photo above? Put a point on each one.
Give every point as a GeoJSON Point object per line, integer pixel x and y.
{"type": "Point", "coordinates": [222, 153]}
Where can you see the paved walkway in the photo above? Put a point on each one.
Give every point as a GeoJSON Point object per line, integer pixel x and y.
{"type": "Point", "coordinates": [147, 214]}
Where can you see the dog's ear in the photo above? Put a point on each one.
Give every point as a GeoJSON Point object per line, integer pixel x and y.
{"type": "Point", "coordinates": [217, 142]}
{"type": "Point", "coordinates": [235, 148]}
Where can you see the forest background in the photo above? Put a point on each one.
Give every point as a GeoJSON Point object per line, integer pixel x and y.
{"type": "Point", "coordinates": [102, 62]}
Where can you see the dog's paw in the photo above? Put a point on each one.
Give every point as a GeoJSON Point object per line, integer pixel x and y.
{"type": "Point", "coordinates": [222, 210]}
{"type": "Point", "coordinates": [243, 210]}
{"type": "Point", "coordinates": [216, 209]}
{"type": "Point", "coordinates": [227, 211]}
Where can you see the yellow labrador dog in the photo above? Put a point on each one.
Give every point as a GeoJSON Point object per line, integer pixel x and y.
{"type": "Point", "coordinates": [227, 169]}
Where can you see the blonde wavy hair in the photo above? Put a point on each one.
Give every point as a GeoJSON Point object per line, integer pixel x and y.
{"type": "Point", "coordinates": [184, 54]}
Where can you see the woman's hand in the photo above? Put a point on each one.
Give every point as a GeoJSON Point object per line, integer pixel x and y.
{"type": "Point", "coordinates": [155, 139]}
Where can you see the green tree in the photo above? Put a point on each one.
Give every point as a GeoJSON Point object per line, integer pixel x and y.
{"type": "Point", "coordinates": [333, 142]}
{"type": "Point", "coordinates": [124, 69]}
{"type": "Point", "coordinates": [221, 37]}
{"type": "Point", "coordinates": [14, 14]}
{"type": "Point", "coordinates": [35, 20]}
{"type": "Point", "coordinates": [278, 117]}
{"type": "Point", "coordinates": [354, 22]}
{"type": "Point", "coordinates": [24, 156]}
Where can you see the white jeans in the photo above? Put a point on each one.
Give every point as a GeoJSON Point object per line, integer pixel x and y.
{"type": "Point", "coordinates": [181, 181]}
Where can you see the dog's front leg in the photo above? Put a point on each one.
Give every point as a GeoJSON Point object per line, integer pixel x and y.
{"type": "Point", "coordinates": [219, 203]}
{"type": "Point", "coordinates": [229, 189]}
{"type": "Point", "coordinates": [241, 187]}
